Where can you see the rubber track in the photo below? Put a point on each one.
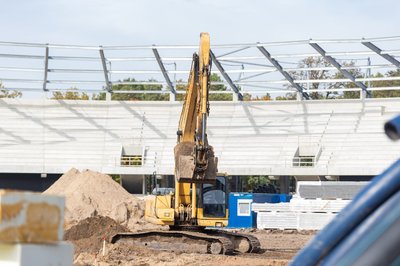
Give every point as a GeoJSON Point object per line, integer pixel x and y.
{"type": "Point", "coordinates": [255, 245]}
{"type": "Point", "coordinates": [227, 246]}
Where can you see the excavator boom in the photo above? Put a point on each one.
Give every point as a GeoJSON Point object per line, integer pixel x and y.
{"type": "Point", "coordinates": [194, 158]}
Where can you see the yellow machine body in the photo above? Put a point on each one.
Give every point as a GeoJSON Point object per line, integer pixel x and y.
{"type": "Point", "coordinates": [195, 202]}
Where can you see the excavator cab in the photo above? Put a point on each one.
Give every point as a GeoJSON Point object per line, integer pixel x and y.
{"type": "Point", "coordinates": [214, 198]}
{"type": "Point", "coordinates": [211, 205]}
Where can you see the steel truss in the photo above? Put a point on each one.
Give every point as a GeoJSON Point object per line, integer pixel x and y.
{"type": "Point", "coordinates": [275, 68]}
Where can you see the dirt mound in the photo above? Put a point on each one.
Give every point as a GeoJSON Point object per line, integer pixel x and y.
{"type": "Point", "coordinates": [90, 193]}
{"type": "Point", "coordinates": [88, 235]}
{"type": "Point", "coordinates": [98, 226]}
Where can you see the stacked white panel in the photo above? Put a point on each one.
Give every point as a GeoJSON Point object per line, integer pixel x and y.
{"type": "Point", "coordinates": [328, 190]}
{"type": "Point", "coordinates": [293, 220]}
{"type": "Point", "coordinates": [302, 205]}
{"type": "Point", "coordinates": [307, 213]}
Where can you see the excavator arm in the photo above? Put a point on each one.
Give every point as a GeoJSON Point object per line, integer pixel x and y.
{"type": "Point", "coordinates": [194, 158]}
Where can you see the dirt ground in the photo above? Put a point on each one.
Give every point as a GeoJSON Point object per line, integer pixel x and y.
{"type": "Point", "coordinates": [278, 248]}
{"type": "Point", "coordinates": [92, 218]}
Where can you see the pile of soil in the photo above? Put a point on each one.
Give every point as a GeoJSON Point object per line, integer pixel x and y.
{"type": "Point", "coordinates": [88, 235]}
{"type": "Point", "coordinates": [89, 193]}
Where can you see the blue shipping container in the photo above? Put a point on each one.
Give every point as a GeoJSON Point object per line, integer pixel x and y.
{"type": "Point", "coordinates": [240, 211]}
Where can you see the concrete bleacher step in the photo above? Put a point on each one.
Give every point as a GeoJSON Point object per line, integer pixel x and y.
{"type": "Point", "coordinates": [257, 135]}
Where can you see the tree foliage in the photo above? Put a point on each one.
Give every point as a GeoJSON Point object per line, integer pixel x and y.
{"type": "Point", "coordinates": [71, 94]}
{"type": "Point", "coordinates": [214, 87]}
{"type": "Point", "coordinates": [310, 62]}
{"type": "Point", "coordinates": [255, 181]}
{"type": "Point", "coordinates": [316, 62]}
{"type": "Point", "coordinates": [288, 96]}
{"type": "Point", "coordinates": [139, 96]}
{"type": "Point", "coordinates": [356, 72]}
{"type": "Point", "coordinates": [323, 92]}
{"type": "Point", "coordinates": [386, 83]}
{"type": "Point", "coordinates": [313, 62]}
{"type": "Point", "coordinates": [219, 87]}
{"type": "Point", "coordinates": [5, 93]}
{"type": "Point", "coordinates": [248, 97]}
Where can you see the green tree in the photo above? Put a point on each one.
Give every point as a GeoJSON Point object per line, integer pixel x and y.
{"type": "Point", "coordinates": [255, 181]}
{"type": "Point", "coordinates": [214, 87]}
{"type": "Point", "coordinates": [5, 93]}
{"type": "Point", "coordinates": [219, 87]}
{"type": "Point", "coordinates": [72, 94]}
{"type": "Point", "coordinates": [356, 72]}
{"type": "Point", "coordinates": [312, 62]}
{"type": "Point", "coordinates": [313, 74]}
{"type": "Point", "coordinates": [135, 96]}
{"type": "Point", "coordinates": [288, 96]}
{"type": "Point", "coordinates": [266, 97]}
{"type": "Point", "coordinates": [116, 178]}
{"type": "Point", "coordinates": [180, 88]}
{"type": "Point", "coordinates": [247, 96]}
{"type": "Point", "coordinates": [386, 83]}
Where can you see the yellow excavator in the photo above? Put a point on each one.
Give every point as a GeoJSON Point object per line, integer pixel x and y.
{"type": "Point", "coordinates": [198, 205]}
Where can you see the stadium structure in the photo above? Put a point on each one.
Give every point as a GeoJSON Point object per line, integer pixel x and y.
{"type": "Point", "coordinates": [334, 138]}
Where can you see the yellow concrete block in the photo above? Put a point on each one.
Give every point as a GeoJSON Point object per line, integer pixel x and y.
{"type": "Point", "coordinates": [27, 217]}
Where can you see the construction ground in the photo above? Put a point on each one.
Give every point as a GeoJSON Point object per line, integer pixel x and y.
{"type": "Point", "coordinates": [97, 207]}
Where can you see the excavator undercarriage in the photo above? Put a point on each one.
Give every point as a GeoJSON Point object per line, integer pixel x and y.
{"type": "Point", "coordinates": [206, 241]}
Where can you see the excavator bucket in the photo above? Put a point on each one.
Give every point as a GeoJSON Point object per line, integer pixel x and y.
{"type": "Point", "coordinates": [186, 169]}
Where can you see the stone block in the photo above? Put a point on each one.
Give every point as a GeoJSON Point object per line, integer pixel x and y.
{"type": "Point", "coordinates": [27, 217]}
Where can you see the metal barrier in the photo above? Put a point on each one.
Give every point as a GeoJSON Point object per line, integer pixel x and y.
{"type": "Point", "coordinates": [131, 161]}
{"type": "Point", "coordinates": [148, 160]}
{"type": "Point", "coordinates": [304, 161]}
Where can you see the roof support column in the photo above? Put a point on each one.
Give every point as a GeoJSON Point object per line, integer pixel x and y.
{"type": "Point", "coordinates": [377, 50]}
{"type": "Point", "coordinates": [170, 85]}
{"type": "Point", "coordinates": [104, 64]}
{"type": "Point", "coordinates": [46, 68]}
{"type": "Point", "coordinates": [237, 96]}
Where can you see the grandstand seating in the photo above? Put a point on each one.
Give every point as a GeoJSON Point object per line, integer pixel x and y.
{"type": "Point", "coordinates": [250, 138]}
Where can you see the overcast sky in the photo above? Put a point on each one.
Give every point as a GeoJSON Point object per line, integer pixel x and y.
{"type": "Point", "coordinates": [133, 22]}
